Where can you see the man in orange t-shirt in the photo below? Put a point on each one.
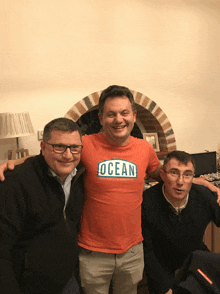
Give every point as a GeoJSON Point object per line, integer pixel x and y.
{"type": "Point", "coordinates": [116, 163]}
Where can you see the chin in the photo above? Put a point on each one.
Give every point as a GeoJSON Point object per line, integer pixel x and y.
{"type": "Point", "coordinates": [121, 134]}
{"type": "Point", "coordinates": [67, 170]}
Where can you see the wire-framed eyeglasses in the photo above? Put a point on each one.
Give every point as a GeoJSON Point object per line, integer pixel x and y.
{"type": "Point", "coordinates": [187, 176]}
{"type": "Point", "coordinates": [60, 148]}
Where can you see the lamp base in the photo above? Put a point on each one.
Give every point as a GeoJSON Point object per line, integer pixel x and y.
{"type": "Point", "coordinates": [15, 154]}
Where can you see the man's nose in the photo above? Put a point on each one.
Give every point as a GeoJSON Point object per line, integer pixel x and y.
{"type": "Point", "coordinates": [67, 153]}
{"type": "Point", "coordinates": [180, 179]}
{"type": "Point", "coordinates": [118, 117]}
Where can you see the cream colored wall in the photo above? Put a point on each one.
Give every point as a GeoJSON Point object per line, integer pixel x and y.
{"type": "Point", "coordinates": [54, 53]}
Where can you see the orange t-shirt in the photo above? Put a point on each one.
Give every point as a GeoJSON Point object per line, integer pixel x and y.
{"type": "Point", "coordinates": [113, 182]}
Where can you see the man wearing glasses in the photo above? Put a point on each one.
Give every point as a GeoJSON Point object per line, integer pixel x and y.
{"type": "Point", "coordinates": [40, 208]}
{"type": "Point", "coordinates": [175, 214]}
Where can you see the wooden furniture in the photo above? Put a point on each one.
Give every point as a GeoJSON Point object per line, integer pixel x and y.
{"type": "Point", "coordinates": [212, 238]}
{"type": "Point", "coordinates": [14, 154]}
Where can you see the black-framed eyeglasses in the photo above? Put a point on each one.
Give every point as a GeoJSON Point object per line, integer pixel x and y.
{"type": "Point", "coordinates": [187, 176]}
{"type": "Point", "coordinates": [60, 148]}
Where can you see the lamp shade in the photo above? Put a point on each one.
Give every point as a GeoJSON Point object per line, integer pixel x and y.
{"type": "Point", "coordinates": [14, 125]}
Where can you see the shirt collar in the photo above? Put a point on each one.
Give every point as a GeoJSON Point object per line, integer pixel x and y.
{"type": "Point", "coordinates": [177, 210]}
{"type": "Point", "coordinates": [52, 173]}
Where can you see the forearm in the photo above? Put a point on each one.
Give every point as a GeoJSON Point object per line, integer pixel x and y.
{"type": "Point", "coordinates": [21, 160]}
{"type": "Point", "coordinates": [10, 164]}
{"type": "Point", "coordinates": [156, 174]}
{"type": "Point", "coordinates": [160, 278]}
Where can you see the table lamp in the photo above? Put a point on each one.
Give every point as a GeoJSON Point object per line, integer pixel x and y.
{"type": "Point", "coordinates": [15, 125]}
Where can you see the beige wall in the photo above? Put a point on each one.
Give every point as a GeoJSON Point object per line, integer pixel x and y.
{"type": "Point", "coordinates": [54, 53]}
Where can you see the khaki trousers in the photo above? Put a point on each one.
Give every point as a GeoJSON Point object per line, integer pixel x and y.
{"type": "Point", "coordinates": [97, 269]}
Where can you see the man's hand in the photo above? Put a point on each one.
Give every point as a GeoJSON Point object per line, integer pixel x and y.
{"type": "Point", "coordinates": [170, 292]}
{"type": "Point", "coordinates": [217, 191]}
{"type": "Point", "coordinates": [9, 164]}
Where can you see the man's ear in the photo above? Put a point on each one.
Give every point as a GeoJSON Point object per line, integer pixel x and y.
{"type": "Point", "coordinates": [135, 115]}
{"type": "Point", "coordinates": [42, 146]}
{"type": "Point", "coordinates": [162, 173]}
{"type": "Point", "coordinates": [100, 118]}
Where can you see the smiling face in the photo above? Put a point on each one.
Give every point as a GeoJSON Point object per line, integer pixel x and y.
{"type": "Point", "coordinates": [176, 189]}
{"type": "Point", "coordinates": [117, 120]}
{"type": "Point", "coordinates": [62, 164]}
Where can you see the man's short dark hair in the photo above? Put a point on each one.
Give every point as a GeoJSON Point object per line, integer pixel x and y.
{"type": "Point", "coordinates": [61, 124]}
{"type": "Point", "coordinates": [181, 156]}
{"type": "Point", "coordinates": [115, 91]}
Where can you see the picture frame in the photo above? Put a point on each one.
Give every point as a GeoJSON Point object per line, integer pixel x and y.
{"type": "Point", "coordinates": [152, 139]}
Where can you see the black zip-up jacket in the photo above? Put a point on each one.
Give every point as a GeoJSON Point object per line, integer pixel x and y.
{"type": "Point", "coordinates": [38, 244]}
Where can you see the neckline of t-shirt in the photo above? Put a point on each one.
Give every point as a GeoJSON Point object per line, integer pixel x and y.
{"type": "Point", "coordinates": [116, 146]}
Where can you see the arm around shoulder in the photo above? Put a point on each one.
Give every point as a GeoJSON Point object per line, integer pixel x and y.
{"type": "Point", "coordinates": [156, 174]}
{"type": "Point", "coordinates": [10, 164]}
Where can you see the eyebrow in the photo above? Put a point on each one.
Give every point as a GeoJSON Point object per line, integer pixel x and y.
{"type": "Point", "coordinates": [66, 144]}
{"type": "Point", "coordinates": [121, 112]}
{"type": "Point", "coordinates": [176, 169]}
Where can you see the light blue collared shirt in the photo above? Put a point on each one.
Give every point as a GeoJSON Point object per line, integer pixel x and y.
{"type": "Point", "coordinates": [66, 185]}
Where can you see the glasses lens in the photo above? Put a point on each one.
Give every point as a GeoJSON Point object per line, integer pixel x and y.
{"type": "Point", "coordinates": [62, 148]}
{"type": "Point", "coordinates": [76, 148]}
{"type": "Point", "coordinates": [188, 176]}
{"type": "Point", "coordinates": [174, 174]}
{"type": "Point", "coordinates": [59, 148]}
